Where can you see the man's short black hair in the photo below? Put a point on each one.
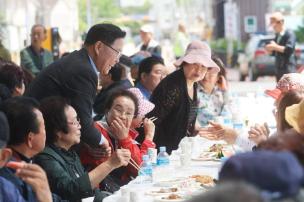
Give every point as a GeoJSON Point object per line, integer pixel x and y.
{"type": "Point", "coordinates": [116, 72]}
{"type": "Point", "coordinates": [104, 32]}
{"type": "Point", "coordinates": [21, 117]}
{"type": "Point", "coordinates": [146, 65]}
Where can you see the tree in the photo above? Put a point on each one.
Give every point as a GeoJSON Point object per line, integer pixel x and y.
{"type": "Point", "coordinates": [100, 10]}
{"type": "Point", "coordinates": [300, 34]}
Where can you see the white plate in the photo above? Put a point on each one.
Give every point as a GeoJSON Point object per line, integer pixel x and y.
{"type": "Point", "coordinates": [170, 183]}
{"type": "Point", "coordinates": [155, 192]}
{"type": "Point", "coordinates": [161, 199]}
{"type": "Point", "coordinates": [206, 156]}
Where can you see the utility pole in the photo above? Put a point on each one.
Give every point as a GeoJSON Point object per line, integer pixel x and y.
{"type": "Point", "coordinates": [89, 16]}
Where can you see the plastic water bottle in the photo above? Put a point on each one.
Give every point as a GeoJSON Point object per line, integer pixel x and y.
{"type": "Point", "coordinates": [146, 170]}
{"type": "Point", "coordinates": [152, 153]}
{"type": "Point", "coordinates": [163, 157]}
{"type": "Point", "coordinates": [227, 116]}
{"type": "Point", "coordinates": [239, 127]}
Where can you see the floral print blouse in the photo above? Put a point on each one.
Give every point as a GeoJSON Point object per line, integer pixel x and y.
{"type": "Point", "coordinates": [210, 105]}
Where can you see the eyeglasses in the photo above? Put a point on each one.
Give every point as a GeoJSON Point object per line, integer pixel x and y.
{"type": "Point", "coordinates": [119, 112]}
{"type": "Point", "coordinates": [116, 51]}
{"type": "Point", "coordinates": [76, 122]}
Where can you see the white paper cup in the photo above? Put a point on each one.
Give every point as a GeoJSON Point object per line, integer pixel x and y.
{"type": "Point", "coordinates": [125, 192]}
{"type": "Point", "coordinates": [186, 147]}
{"type": "Point", "coordinates": [185, 160]}
{"type": "Point", "coordinates": [136, 196]}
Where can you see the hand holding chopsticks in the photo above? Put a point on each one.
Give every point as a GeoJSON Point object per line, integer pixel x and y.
{"type": "Point", "coordinates": [151, 119]}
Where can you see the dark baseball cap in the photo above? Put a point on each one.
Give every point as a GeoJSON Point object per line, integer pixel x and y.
{"type": "Point", "coordinates": [4, 130]}
{"type": "Point", "coordinates": [277, 174]}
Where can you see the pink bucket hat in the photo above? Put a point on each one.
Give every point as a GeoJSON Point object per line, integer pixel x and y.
{"type": "Point", "coordinates": [145, 106]}
{"type": "Point", "coordinates": [291, 81]}
{"type": "Point", "coordinates": [198, 52]}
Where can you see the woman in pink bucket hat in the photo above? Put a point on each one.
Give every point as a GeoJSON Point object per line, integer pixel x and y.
{"type": "Point", "coordinates": [175, 97]}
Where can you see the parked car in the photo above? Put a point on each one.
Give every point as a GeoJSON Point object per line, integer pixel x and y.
{"type": "Point", "coordinates": [256, 61]}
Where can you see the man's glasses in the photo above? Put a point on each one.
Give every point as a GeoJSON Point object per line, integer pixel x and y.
{"type": "Point", "coordinates": [116, 51]}
{"type": "Point", "coordinates": [76, 122]}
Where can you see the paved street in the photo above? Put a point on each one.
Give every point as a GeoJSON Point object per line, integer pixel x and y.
{"type": "Point", "coordinates": [261, 84]}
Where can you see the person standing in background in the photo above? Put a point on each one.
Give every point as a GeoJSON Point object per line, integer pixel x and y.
{"type": "Point", "coordinates": [282, 47]}
{"type": "Point", "coordinates": [4, 53]}
{"type": "Point", "coordinates": [34, 57]}
{"type": "Point", "coordinates": [148, 43]}
{"type": "Point", "coordinates": [181, 41]}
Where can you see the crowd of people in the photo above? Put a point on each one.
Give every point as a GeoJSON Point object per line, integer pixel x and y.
{"type": "Point", "coordinates": [64, 139]}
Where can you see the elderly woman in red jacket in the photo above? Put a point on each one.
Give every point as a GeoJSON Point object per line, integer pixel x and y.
{"type": "Point", "coordinates": [121, 108]}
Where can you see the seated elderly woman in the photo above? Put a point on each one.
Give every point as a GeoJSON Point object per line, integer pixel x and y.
{"type": "Point", "coordinates": [121, 107]}
{"type": "Point", "coordinates": [212, 94]}
{"type": "Point", "coordinates": [11, 80]}
{"type": "Point", "coordinates": [65, 173]}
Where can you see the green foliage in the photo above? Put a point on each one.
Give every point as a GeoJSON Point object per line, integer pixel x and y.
{"type": "Point", "coordinates": [133, 25]}
{"type": "Point", "coordinates": [300, 34]}
{"type": "Point", "coordinates": [100, 10]}
{"type": "Point", "coordinates": [220, 45]}
{"type": "Point", "coordinates": [137, 10]}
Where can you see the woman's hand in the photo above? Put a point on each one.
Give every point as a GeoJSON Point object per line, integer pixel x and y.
{"type": "Point", "coordinates": [218, 132]}
{"type": "Point", "coordinates": [213, 132]}
{"type": "Point", "coordinates": [103, 151]}
{"type": "Point", "coordinates": [223, 85]}
{"type": "Point", "coordinates": [119, 129]}
{"type": "Point", "coordinates": [149, 128]}
{"type": "Point", "coordinates": [259, 133]}
{"type": "Point", "coordinates": [120, 157]}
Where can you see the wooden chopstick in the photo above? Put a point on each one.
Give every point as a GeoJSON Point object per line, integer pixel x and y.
{"type": "Point", "coordinates": [134, 164]}
{"type": "Point", "coordinates": [152, 119]}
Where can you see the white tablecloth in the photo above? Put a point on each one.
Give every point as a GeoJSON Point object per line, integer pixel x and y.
{"type": "Point", "coordinates": [174, 171]}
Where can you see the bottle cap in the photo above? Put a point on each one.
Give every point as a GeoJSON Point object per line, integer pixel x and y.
{"type": "Point", "coordinates": [162, 149]}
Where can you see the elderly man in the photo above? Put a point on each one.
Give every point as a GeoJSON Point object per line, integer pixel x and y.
{"type": "Point", "coordinates": [75, 76]}
{"type": "Point", "coordinates": [148, 46]}
{"type": "Point", "coordinates": [282, 47]}
{"type": "Point", "coordinates": [34, 57]}
{"type": "Point", "coordinates": [26, 139]}
{"type": "Point", "coordinates": [150, 73]}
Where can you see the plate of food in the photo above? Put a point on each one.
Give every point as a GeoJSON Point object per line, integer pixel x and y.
{"type": "Point", "coordinates": [207, 156]}
{"type": "Point", "coordinates": [205, 181]}
{"type": "Point", "coordinates": [171, 182]}
{"type": "Point", "coordinates": [163, 191]}
{"type": "Point", "coordinates": [172, 197]}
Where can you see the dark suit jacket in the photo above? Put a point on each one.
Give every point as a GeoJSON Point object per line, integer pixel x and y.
{"type": "Point", "coordinates": [286, 61]}
{"type": "Point", "coordinates": [71, 77]}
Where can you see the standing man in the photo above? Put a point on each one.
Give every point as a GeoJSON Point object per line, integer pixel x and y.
{"type": "Point", "coordinates": [4, 53]}
{"type": "Point", "coordinates": [75, 76]}
{"type": "Point", "coordinates": [34, 57]}
{"type": "Point", "coordinates": [149, 46]}
{"type": "Point", "coordinates": [282, 47]}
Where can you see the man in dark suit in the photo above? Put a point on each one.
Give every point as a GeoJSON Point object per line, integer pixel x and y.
{"type": "Point", "coordinates": [282, 47]}
{"type": "Point", "coordinates": [75, 76]}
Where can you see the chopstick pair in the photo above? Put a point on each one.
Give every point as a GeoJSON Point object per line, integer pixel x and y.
{"type": "Point", "coordinates": [152, 119]}
{"type": "Point", "coordinates": [134, 164]}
